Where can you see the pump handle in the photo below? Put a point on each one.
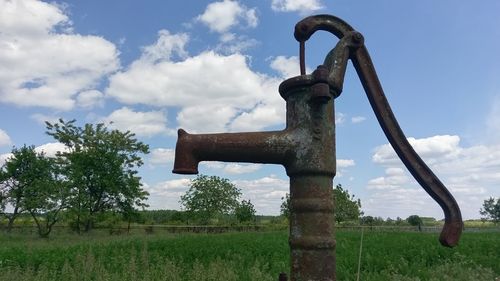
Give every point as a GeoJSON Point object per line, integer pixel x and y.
{"type": "Point", "coordinates": [362, 62]}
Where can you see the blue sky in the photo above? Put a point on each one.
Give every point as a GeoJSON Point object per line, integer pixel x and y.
{"type": "Point", "coordinates": [155, 66]}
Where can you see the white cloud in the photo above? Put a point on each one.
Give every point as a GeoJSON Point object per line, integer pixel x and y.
{"type": "Point", "coordinates": [144, 124]}
{"type": "Point", "coordinates": [232, 168]}
{"type": "Point", "coordinates": [166, 47]}
{"type": "Point", "coordinates": [287, 66]}
{"type": "Point", "coordinates": [207, 78]}
{"type": "Point", "coordinates": [161, 156]}
{"type": "Point", "coordinates": [196, 117]}
{"type": "Point", "coordinates": [43, 63]}
{"type": "Point", "coordinates": [90, 99]}
{"type": "Point", "coordinates": [264, 114]}
{"type": "Point", "coordinates": [430, 149]}
{"type": "Point", "coordinates": [42, 118]}
{"type": "Point", "coordinates": [221, 16]}
{"type": "Point", "coordinates": [214, 92]}
{"type": "Point", "coordinates": [227, 37]}
{"type": "Point", "coordinates": [470, 173]}
{"type": "Point", "coordinates": [301, 6]}
{"type": "Point", "coordinates": [251, 17]}
{"type": "Point", "coordinates": [265, 193]}
{"type": "Point", "coordinates": [339, 118]}
{"type": "Point", "coordinates": [231, 43]}
{"type": "Point", "coordinates": [166, 194]}
{"type": "Point", "coordinates": [50, 149]}
{"type": "Point", "coordinates": [4, 138]}
{"type": "Point", "coordinates": [237, 169]}
{"type": "Point", "coordinates": [213, 164]}
{"type": "Point", "coordinates": [393, 179]}
{"type": "Point", "coordinates": [357, 119]}
{"type": "Point", "coordinates": [344, 163]}
{"type": "Point", "coordinates": [4, 157]}
{"type": "Point", "coordinates": [171, 187]}
{"type": "Point", "coordinates": [401, 202]}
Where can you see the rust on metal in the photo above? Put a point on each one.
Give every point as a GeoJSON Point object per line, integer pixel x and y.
{"type": "Point", "coordinates": [306, 148]}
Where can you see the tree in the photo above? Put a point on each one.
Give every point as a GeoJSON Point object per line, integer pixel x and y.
{"type": "Point", "coordinates": [367, 220]}
{"type": "Point", "coordinates": [346, 206]}
{"type": "Point", "coordinates": [210, 197]}
{"type": "Point", "coordinates": [3, 197]}
{"type": "Point", "coordinates": [285, 206]}
{"type": "Point", "coordinates": [491, 210]}
{"type": "Point", "coordinates": [414, 220]}
{"type": "Point", "coordinates": [16, 175]}
{"type": "Point", "coordinates": [100, 165]}
{"type": "Point", "coordinates": [47, 196]}
{"type": "Point", "coordinates": [32, 183]}
{"type": "Point", "coordinates": [245, 211]}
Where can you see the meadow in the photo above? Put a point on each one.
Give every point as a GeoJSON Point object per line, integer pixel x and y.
{"type": "Point", "coordinates": [241, 256]}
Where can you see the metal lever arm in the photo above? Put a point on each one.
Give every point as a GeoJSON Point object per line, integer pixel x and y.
{"type": "Point", "coordinates": [453, 224]}
{"type": "Point", "coordinates": [358, 53]}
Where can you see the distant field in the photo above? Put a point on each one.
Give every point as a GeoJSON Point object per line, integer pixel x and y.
{"type": "Point", "coordinates": [241, 256]}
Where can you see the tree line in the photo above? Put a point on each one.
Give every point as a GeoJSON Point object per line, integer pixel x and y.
{"type": "Point", "coordinates": [95, 175]}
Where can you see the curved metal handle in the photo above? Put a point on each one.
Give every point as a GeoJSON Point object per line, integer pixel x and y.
{"type": "Point", "coordinates": [358, 53]}
{"type": "Point", "coordinates": [306, 27]}
{"type": "Point", "coordinates": [421, 172]}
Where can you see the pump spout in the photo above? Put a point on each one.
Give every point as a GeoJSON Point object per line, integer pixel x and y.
{"type": "Point", "coordinates": [272, 147]}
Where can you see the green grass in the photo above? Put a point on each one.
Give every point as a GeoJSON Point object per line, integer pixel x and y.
{"type": "Point", "coordinates": [241, 256]}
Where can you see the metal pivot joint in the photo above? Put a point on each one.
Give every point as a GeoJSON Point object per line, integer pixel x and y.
{"type": "Point", "coordinates": [306, 148]}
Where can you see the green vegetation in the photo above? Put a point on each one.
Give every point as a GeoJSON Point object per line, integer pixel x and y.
{"type": "Point", "coordinates": [100, 166]}
{"type": "Point", "coordinates": [491, 209]}
{"type": "Point", "coordinates": [211, 198]}
{"type": "Point", "coordinates": [347, 207]}
{"type": "Point", "coordinates": [95, 176]}
{"type": "Point", "coordinates": [414, 220]}
{"type": "Point", "coordinates": [32, 183]}
{"type": "Point", "coordinates": [241, 256]}
{"type": "Point", "coordinates": [245, 212]}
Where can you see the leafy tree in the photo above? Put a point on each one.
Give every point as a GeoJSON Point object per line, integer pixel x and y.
{"type": "Point", "coordinates": [210, 197]}
{"type": "Point", "coordinates": [47, 196]}
{"type": "Point", "coordinates": [245, 211]}
{"type": "Point", "coordinates": [16, 175]}
{"type": "Point", "coordinates": [32, 183]}
{"type": "Point", "coordinates": [389, 221]}
{"type": "Point", "coordinates": [367, 220]}
{"type": "Point", "coordinates": [346, 206]}
{"type": "Point", "coordinates": [414, 220]}
{"type": "Point", "coordinates": [285, 206]}
{"type": "Point", "coordinates": [399, 221]}
{"type": "Point", "coordinates": [100, 165]}
{"type": "Point", "coordinates": [491, 210]}
{"type": "Point", "coordinates": [4, 191]}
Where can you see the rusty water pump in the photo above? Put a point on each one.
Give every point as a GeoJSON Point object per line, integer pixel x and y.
{"type": "Point", "coordinates": [306, 148]}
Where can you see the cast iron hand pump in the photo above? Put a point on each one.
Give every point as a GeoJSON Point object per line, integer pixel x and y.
{"type": "Point", "coordinates": [306, 148]}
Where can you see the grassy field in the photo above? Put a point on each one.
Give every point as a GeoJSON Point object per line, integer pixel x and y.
{"type": "Point", "coordinates": [241, 256]}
